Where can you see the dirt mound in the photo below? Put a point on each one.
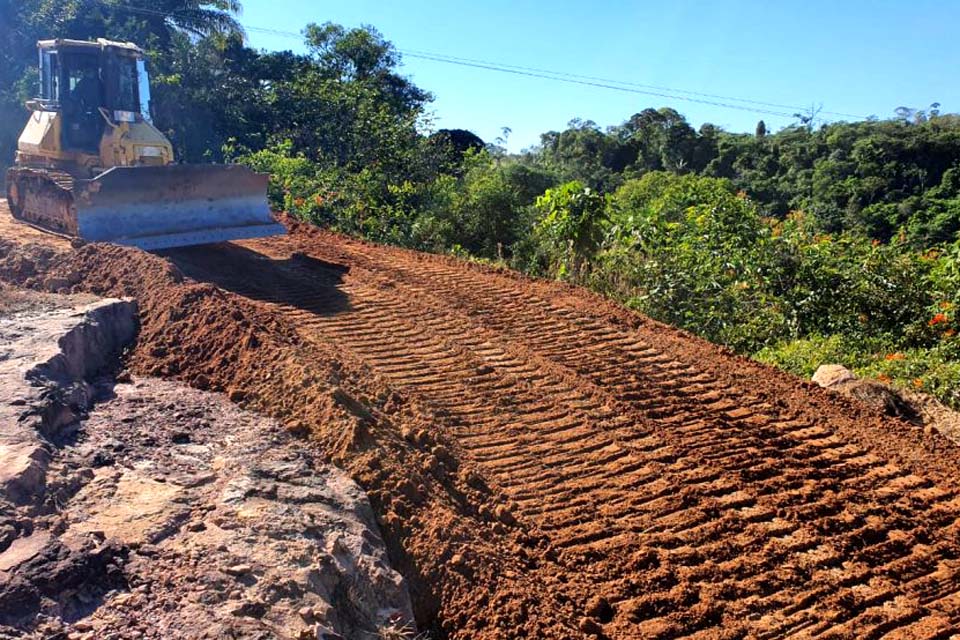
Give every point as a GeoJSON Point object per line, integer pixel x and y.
{"type": "Point", "coordinates": [546, 464]}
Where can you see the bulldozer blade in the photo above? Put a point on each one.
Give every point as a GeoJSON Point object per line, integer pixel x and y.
{"type": "Point", "coordinates": [174, 206]}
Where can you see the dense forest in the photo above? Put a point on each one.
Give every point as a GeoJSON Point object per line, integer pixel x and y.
{"type": "Point", "coordinates": [816, 243]}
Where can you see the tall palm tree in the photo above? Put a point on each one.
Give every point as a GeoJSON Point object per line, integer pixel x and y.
{"type": "Point", "coordinates": [129, 18]}
{"type": "Point", "coordinates": [202, 17]}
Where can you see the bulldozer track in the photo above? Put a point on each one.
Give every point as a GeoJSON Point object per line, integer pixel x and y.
{"type": "Point", "coordinates": [666, 478]}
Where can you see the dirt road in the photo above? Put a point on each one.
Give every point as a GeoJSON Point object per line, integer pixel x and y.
{"type": "Point", "coordinates": [642, 483]}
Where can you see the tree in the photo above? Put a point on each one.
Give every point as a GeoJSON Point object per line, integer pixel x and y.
{"type": "Point", "coordinates": [761, 129]}
{"type": "Point", "coordinates": [450, 146]}
{"type": "Point", "coordinates": [160, 29]}
{"type": "Point", "coordinates": [583, 153]}
{"type": "Point", "coordinates": [572, 223]}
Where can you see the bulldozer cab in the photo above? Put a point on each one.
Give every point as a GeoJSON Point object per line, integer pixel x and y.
{"type": "Point", "coordinates": [91, 85]}
{"type": "Point", "coordinates": [90, 163]}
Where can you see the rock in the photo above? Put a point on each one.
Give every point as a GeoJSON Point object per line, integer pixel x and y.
{"type": "Point", "coordinates": [238, 569]}
{"type": "Point", "coordinates": [829, 375]}
{"type": "Point", "coordinates": [122, 600]}
{"type": "Point", "coordinates": [879, 397]}
{"type": "Point", "coordinates": [323, 633]}
{"type": "Point", "coordinates": [306, 613]}
{"type": "Point", "coordinates": [249, 609]}
{"type": "Point", "coordinates": [102, 459]}
{"type": "Point", "coordinates": [7, 535]}
{"type": "Point", "coordinates": [54, 283]}
{"type": "Point", "coordinates": [150, 535]}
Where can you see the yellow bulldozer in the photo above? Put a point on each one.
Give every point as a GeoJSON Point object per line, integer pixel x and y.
{"type": "Point", "coordinates": [91, 165]}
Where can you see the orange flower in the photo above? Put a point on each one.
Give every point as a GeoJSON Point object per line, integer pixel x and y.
{"type": "Point", "coordinates": [894, 356]}
{"type": "Point", "coordinates": [875, 243]}
{"type": "Point", "coordinates": [946, 305]}
{"type": "Point", "coordinates": [940, 318]}
{"type": "Point", "coordinates": [318, 199]}
{"type": "Point", "coordinates": [918, 383]}
{"type": "Point", "coordinates": [949, 333]}
{"type": "Point", "coordinates": [299, 202]}
{"type": "Point", "coordinates": [884, 378]}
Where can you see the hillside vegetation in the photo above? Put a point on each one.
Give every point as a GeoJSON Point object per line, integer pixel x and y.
{"type": "Point", "coordinates": [812, 244]}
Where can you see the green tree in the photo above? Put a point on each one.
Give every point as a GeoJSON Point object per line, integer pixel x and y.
{"type": "Point", "coordinates": [572, 223]}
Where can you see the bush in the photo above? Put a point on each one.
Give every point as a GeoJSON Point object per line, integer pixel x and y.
{"type": "Point", "coordinates": [485, 212]}
{"type": "Point", "coordinates": [690, 251]}
{"type": "Point", "coordinates": [571, 226]}
{"type": "Point", "coordinates": [802, 357]}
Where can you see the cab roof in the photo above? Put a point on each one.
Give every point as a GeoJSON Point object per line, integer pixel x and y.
{"type": "Point", "coordinates": [98, 45]}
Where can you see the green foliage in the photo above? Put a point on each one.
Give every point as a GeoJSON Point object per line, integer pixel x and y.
{"type": "Point", "coordinates": [690, 251]}
{"type": "Point", "coordinates": [848, 285]}
{"type": "Point", "coordinates": [802, 246]}
{"type": "Point", "coordinates": [874, 178]}
{"type": "Point", "coordinates": [572, 222]}
{"type": "Point", "coordinates": [582, 153]}
{"type": "Point", "coordinates": [804, 355]}
{"type": "Point", "coordinates": [934, 370]}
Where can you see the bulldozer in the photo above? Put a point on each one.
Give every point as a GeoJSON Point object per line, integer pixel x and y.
{"type": "Point", "coordinates": [91, 165]}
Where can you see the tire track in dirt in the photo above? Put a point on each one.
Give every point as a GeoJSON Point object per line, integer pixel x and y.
{"type": "Point", "coordinates": [692, 507]}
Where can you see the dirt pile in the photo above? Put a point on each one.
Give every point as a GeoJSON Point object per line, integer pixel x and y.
{"type": "Point", "coordinates": [544, 463]}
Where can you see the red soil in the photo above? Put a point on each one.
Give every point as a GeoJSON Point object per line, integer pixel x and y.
{"type": "Point", "coordinates": [544, 463]}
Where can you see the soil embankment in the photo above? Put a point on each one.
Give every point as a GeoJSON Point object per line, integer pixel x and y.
{"type": "Point", "coordinates": [546, 464]}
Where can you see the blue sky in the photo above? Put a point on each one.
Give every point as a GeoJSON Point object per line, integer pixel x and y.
{"type": "Point", "coordinates": [851, 56]}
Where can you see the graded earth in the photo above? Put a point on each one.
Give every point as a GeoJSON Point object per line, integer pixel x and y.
{"type": "Point", "coordinates": [543, 463]}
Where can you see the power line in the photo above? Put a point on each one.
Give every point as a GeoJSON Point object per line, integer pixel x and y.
{"type": "Point", "coordinates": [414, 52]}
{"type": "Point", "coordinates": [591, 83]}
{"type": "Point", "coordinates": [722, 101]}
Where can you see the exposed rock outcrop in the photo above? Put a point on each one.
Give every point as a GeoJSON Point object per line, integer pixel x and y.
{"type": "Point", "coordinates": [145, 509]}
